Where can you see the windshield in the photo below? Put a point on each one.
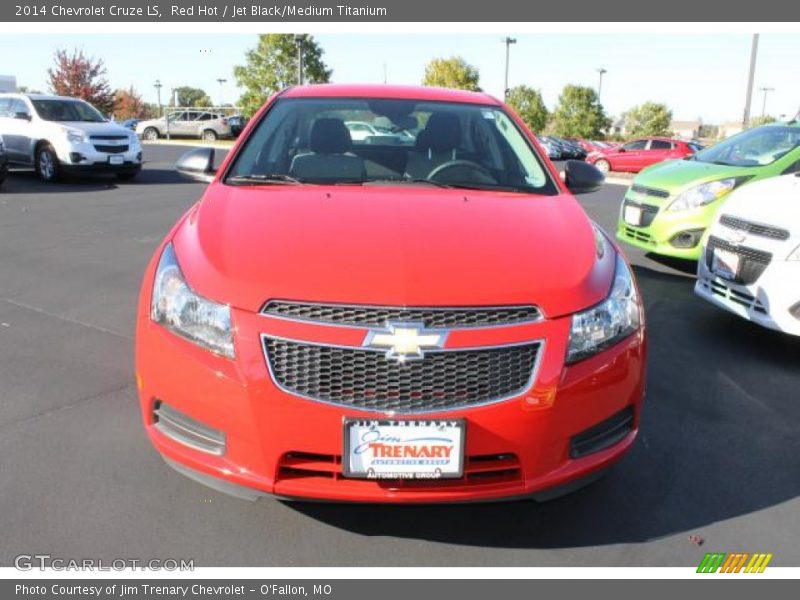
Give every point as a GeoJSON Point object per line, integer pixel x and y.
{"type": "Point", "coordinates": [67, 110]}
{"type": "Point", "coordinates": [365, 141]}
{"type": "Point", "coordinates": [753, 148]}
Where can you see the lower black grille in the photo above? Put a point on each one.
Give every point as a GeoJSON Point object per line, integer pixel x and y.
{"type": "Point", "coordinates": [367, 380]}
{"type": "Point", "coordinates": [775, 233]}
{"type": "Point", "coordinates": [371, 316]}
{"type": "Point", "coordinates": [603, 435]}
{"type": "Point", "coordinates": [752, 262]}
{"type": "Point", "coordinates": [649, 212]}
{"type": "Point", "coordinates": [184, 429]}
{"type": "Point", "coordinates": [635, 234]}
{"type": "Point", "coordinates": [110, 149]}
{"type": "Point", "coordinates": [740, 297]}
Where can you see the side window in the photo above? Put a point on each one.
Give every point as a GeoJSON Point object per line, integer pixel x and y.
{"type": "Point", "coordinates": [793, 168]}
{"type": "Point", "coordinates": [18, 106]}
{"type": "Point", "coordinates": [660, 145]}
{"type": "Point", "coordinates": [205, 117]}
{"type": "Point", "coordinates": [5, 107]}
{"type": "Point", "coordinates": [635, 145]}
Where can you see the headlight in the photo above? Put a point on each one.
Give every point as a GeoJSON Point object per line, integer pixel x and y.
{"type": "Point", "coordinates": [703, 194]}
{"type": "Point", "coordinates": [134, 139]}
{"type": "Point", "coordinates": [609, 322]}
{"type": "Point", "coordinates": [181, 310]}
{"type": "Point", "coordinates": [75, 136]}
{"type": "Point", "coordinates": [794, 254]}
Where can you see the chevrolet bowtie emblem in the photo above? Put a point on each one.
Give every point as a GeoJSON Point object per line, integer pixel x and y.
{"type": "Point", "coordinates": [405, 341]}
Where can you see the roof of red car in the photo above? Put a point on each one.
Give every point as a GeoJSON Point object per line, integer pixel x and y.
{"type": "Point", "coordinates": [400, 92]}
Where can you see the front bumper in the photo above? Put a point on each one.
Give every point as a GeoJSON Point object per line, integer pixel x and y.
{"type": "Point", "coordinates": [767, 302]}
{"type": "Point", "coordinates": [661, 234]}
{"type": "Point", "coordinates": [281, 444]}
{"type": "Point", "coordinates": [86, 158]}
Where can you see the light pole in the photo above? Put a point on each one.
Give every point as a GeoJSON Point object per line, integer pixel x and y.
{"type": "Point", "coordinates": [507, 41]}
{"type": "Point", "coordinates": [766, 91]}
{"type": "Point", "coordinates": [750, 77]}
{"type": "Point", "coordinates": [158, 87]}
{"type": "Point", "coordinates": [602, 72]}
{"type": "Point", "coordinates": [298, 39]}
{"type": "Point", "coordinates": [221, 81]}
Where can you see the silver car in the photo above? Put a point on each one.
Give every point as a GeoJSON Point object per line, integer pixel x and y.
{"type": "Point", "coordinates": [191, 123]}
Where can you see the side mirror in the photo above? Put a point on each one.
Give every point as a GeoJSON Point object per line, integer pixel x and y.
{"type": "Point", "coordinates": [621, 149]}
{"type": "Point", "coordinates": [582, 178]}
{"type": "Point", "coordinates": [197, 165]}
{"type": "Point", "coordinates": [23, 116]}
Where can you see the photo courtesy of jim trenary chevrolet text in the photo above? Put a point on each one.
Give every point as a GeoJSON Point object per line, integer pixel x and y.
{"type": "Point", "coordinates": [348, 300]}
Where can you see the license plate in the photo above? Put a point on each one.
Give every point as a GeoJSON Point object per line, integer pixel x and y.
{"type": "Point", "coordinates": [116, 160]}
{"type": "Point", "coordinates": [725, 263]}
{"type": "Point", "coordinates": [633, 215]}
{"type": "Point", "coordinates": [398, 449]}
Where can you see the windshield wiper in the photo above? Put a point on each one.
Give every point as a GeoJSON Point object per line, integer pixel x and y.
{"type": "Point", "coordinates": [409, 180]}
{"type": "Point", "coordinates": [262, 179]}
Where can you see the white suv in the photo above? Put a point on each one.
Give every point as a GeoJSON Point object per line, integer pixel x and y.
{"type": "Point", "coordinates": [56, 135]}
{"type": "Point", "coordinates": [751, 261]}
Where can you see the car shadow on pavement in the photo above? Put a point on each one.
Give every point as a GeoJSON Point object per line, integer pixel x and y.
{"type": "Point", "coordinates": [718, 440]}
{"type": "Point", "coordinates": [26, 182]}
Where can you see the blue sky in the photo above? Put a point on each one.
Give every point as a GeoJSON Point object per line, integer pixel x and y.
{"type": "Point", "coordinates": [696, 75]}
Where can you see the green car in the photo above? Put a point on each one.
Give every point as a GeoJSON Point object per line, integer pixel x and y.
{"type": "Point", "coordinates": [670, 205]}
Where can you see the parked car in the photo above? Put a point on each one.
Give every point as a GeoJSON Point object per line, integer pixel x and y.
{"type": "Point", "coordinates": [3, 162]}
{"type": "Point", "coordinates": [371, 133]}
{"type": "Point", "coordinates": [751, 259]}
{"type": "Point", "coordinates": [552, 149]}
{"type": "Point", "coordinates": [191, 123]}
{"type": "Point", "coordinates": [670, 206]}
{"type": "Point", "coordinates": [57, 135]}
{"type": "Point", "coordinates": [130, 124]}
{"type": "Point", "coordinates": [355, 332]}
{"type": "Point", "coordinates": [635, 155]}
{"type": "Point", "coordinates": [237, 124]}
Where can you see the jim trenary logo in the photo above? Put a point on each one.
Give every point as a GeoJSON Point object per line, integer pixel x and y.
{"type": "Point", "coordinates": [738, 562]}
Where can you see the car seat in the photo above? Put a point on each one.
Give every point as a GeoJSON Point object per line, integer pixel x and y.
{"type": "Point", "coordinates": [437, 144]}
{"type": "Point", "coordinates": [329, 156]}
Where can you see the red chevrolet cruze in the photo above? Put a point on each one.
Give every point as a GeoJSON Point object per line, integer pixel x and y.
{"type": "Point", "coordinates": [635, 155]}
{"type": "Point", "coordinates": [423, 315]}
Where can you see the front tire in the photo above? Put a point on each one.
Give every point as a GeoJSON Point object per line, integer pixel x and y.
{"type": "Point", "coordinates": [150, 134]}
{"type": "Point", "coordinates": [47, 167]}
{"type": "Point", "coordinates": [209, 135]}
{"type": "Point", "coordinates": [603, 166]}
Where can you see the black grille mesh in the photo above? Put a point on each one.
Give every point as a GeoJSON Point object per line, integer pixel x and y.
{"type": "Point", "coordinates": [648, 191]}
{"type": "Point", "coordinates": [367, 380]}
{"type": "Point", "coordinates": [775, 233]}
{"type": "Point", "coordinates": [377, 316]}
{"type": "Point", "coordinates": [752, 262]}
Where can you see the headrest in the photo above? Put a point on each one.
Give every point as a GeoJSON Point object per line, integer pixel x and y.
{"type": "Point", "coordinates": [442, 133]}
{"type": "Point", "coordinates": [330, 136]}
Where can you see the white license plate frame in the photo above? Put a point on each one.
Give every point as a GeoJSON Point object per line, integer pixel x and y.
{"type": "Point", "coordinates": [632, 215]}
{"type": "Point", "coordinates": [430, 464]}
{"type": "Point", "coordinates": [725, 263]}
{"type": "Point", "coordinates": [116, 160]}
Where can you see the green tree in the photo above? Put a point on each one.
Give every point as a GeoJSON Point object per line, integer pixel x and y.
{"type": "Point", "coordinates": [579, 113]}
{"type": "Point", "coordinates": [763, 120]}
{"type": "Point", "coordinates": [191, 96]}
{"type": "Point", "coordinates": [272, 66]}
{"type": "Point", "coordinates": [455, 73]}
{"type": "Point", "coordinates": [649, 118]}
{"type": "Point", "coordinates": [79, 76]}
{"type": "Point", "coordinates": [528, 104]}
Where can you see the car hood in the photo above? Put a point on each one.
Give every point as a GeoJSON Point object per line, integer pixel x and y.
{"type": "Point", "coordinates": [772, 201]}
{"type": "Point", "coordinates": [104, 128]}
{"type": "Point", "coordinates": [400, 246]}
{"type": "Point", "coordinates": [676, 176]}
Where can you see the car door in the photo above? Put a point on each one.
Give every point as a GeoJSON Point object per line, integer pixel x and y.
{"type": "Point", "coordinates": [17, 133]}
{"type": "Point", "coordinates": [183, 125]}
{"type": "Point", "coordinates": [657, 151]}
{"type": "Point", "coordinates": [629, 156]}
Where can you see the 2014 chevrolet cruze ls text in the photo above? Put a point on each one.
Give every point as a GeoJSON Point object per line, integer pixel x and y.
{"type": "Point", "coordinates": [388, 321]}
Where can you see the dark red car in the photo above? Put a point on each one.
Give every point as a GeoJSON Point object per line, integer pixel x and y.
{"type": "Point", "coordinates": [637, 154]}
{"type": "Point", "coordinates": [384, 322]}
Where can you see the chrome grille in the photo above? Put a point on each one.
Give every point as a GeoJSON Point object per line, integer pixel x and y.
{"type": "Point", "coordinates": [776, 233]}
{"type": "Point", "coordinates": [378, 316]}
{"type": "Point", "coordinates": [365, 380]}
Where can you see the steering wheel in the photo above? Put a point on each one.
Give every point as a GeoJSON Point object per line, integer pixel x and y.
{"type": "Point", "coordinates": [465, 164]}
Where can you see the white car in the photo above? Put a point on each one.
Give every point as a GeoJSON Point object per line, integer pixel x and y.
{"type": "Point", "coordinates": [751, 260]}
{"type": "Point", "coordinates": [55, 135]}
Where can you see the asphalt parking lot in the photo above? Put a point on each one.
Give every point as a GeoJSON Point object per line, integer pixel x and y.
{"type": "Point", "coordinates": [718, 456]}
